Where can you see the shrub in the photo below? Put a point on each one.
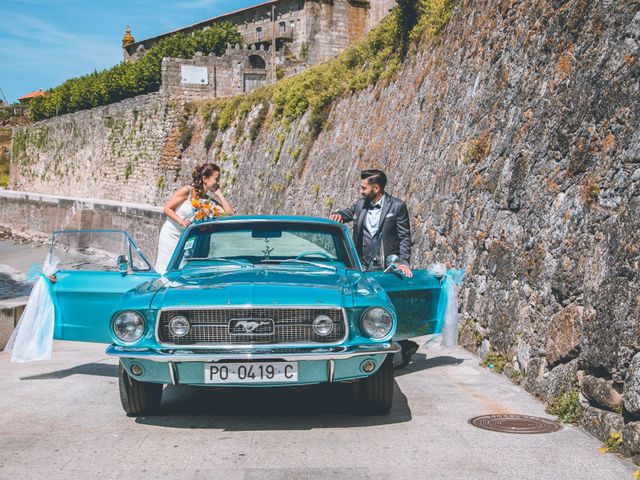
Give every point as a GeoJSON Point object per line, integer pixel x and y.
{"type": "Point", "coordinates": [130, 79]}
{"type": "Point", "coordinates": [567, 407]}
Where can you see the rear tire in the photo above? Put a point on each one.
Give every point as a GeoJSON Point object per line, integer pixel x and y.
{"type": "Point", "coordinates": [138, 398]}
{"type": "Point", "coordinates": [375, 393]}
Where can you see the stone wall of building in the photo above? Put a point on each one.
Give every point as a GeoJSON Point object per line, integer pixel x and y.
{"type": "Point", "coordinates": [514, 140]}
{"type": "Point", "coordinates": [313, 29]}
{"type": "Point", "coordinates": [239, 70]}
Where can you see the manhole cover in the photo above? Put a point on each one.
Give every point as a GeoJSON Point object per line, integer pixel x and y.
{"type": "Point", "coordinates": [515, 424]}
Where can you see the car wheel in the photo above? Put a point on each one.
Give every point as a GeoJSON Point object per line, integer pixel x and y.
{"type": "Point", "coordinates": [375, 393]}
{"type": "Point", "coordinates": [138, 398]}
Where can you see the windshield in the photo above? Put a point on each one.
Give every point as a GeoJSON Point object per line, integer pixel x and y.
{"type": "Point", "coordinates": [249, 244]}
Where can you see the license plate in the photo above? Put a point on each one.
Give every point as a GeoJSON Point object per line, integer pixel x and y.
{"type": "Point", "coordinates": [251, 372]}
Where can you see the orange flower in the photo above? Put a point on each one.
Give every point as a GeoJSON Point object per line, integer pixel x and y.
{"type": "Point", "coordinates": [194, 203]}
{"type": "Point", "coordinates": [199, 215]}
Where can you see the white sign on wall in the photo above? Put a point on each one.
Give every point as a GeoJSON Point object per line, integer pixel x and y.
{"type": "Point", "coordinates": [194, 75]}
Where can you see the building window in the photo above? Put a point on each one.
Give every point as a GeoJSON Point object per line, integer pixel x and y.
{"type": "Point", "coordinates": [292, 24]}
{"type": "Point", "coordinates": [283, 27]}
{"type": "Point", "coordinates": [259, 34]}
{"type": "Point", "coordinates": [257, 62]}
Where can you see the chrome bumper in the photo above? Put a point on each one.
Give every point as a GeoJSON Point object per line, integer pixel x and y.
{"type": "Point", "coordinates": [287, 355]}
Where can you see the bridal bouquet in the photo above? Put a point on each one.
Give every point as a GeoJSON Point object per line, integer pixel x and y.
{"type": "Point", "coordinates": [205, 209]}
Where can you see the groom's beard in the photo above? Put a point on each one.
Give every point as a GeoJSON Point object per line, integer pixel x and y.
{"type": "Point", "coordinates": [369, 196]}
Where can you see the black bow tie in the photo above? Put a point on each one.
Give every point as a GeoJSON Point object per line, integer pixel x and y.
{"type": "Point", "coordinates": [374, 207]}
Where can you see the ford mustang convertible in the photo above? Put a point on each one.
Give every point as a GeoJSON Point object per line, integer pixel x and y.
{"type": "Point", "coordinates": [260, 301]}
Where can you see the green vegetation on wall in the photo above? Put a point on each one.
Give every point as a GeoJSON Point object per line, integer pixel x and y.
{"type": "Point", "coordinates": [130, 79]}
{"type": "Point", "coordinates": [377, 57]}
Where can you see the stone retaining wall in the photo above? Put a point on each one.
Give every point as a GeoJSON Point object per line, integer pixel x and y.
{"type": "Point", "coordinates": [37, 216]}
{"type": "Point", "coordinates": [10, 311]}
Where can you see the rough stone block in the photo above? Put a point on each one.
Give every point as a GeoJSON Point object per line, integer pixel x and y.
{"type": "Point", "coordinates": [632, 387]}
{"type": "Point", "coordinates": [631, 438]}
{"type": "Point", "coordinates": [601, 423]}
{"type": "Point", "coordinates": [602, 393]}
{"type": "Point", "coordinates": [562, 379]}
{"type": "Point", "coordinates": [565, 333]}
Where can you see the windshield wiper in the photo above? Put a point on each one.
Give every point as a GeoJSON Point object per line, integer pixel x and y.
{"type": "Point", "coordinates": [221, 259]}
{"type": "Point", "coordinates": [307, 262]}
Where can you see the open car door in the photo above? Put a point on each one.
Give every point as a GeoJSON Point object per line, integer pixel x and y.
{"type": "Point", "coordinates": [420, 302]}
{"type": "Point", "coordinates": [96, 267]}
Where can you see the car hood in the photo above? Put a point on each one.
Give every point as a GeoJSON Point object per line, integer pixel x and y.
{"type": "Point", "coordinates": [255, 286]}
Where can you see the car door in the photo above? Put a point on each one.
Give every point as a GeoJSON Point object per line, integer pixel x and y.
{"type": "Point", "coordinates": [90, 279]}
{"type": "Point", "coordinates": [420, 301]}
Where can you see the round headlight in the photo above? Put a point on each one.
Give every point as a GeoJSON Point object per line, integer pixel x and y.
{"type": "Point", "coordinates": [179, 326]}
{"type": "Point", "coordinates": [377, 322]}
{"type": "Point", "coordinates": [128, 326]}
{"type": "Point", "coordinates": [323, 325]}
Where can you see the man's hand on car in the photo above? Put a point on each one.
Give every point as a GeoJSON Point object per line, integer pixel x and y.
{"type": "Point", "coordinates": [406, 271]}
{"type": "Point", "coordinates": [336, 217]}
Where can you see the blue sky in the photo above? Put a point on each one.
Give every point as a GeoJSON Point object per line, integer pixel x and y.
{"type": "Point", "coordinates": [44, 42]}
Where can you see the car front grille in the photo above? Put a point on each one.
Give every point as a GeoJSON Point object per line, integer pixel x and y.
{"type": "Point", "coordinates": [251, 326]}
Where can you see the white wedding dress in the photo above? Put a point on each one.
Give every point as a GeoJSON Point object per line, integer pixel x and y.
{"type": "Point", "coordinates": [170, 234]}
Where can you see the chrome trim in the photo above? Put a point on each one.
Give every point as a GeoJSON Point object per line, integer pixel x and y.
{"type": "Point", "coordinates": [238, 320]}
{"type": "Point", "coordinates": [185, 355]}
{"type": "Point", "coordinates": [331, 367]}
{"type": "Point", "coordinates": [173, 373]}
{"type": "Point", "coordinates": [250, 345]}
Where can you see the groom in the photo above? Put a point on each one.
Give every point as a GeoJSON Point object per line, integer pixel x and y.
{"type": "Point", "coordinates": [381, 228]}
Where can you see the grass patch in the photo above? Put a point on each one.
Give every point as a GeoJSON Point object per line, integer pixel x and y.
{"type": "Point", "coordinates": [495, 362]}
{"type": "Point", "coordinates": [477, 149]}
{"type": "Point", "coordinates": [590, 190]}
{"type": "Point", "coordinates": [328, 202]}
{"type": "Point", "coordinates": [128, 170]}
{"type": "Point", "coordinates": [517, 376]}
{"type": "Point", "coordinates": [613, 443]}
{"type": "Point", "coordinates": [567, 407]}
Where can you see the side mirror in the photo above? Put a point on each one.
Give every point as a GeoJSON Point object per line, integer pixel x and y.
{"type": "Point", "coordinates": [393, 263]}
{"type": "Point", "coordinates": [123, 263]}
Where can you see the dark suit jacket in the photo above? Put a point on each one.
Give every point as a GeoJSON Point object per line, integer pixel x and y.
{"type": "Point", "coordinates": [394, 227]}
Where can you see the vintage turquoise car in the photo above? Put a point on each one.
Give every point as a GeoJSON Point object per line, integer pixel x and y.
{"type": "Point", "coordinates": [250, 301]}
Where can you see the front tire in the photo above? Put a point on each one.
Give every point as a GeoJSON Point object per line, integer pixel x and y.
{"type": "Point", "coordinates": [375, 393]}
{"type": "Point", "coordinates": [138, 398]}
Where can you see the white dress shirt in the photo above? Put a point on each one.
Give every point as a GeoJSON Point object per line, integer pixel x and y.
{"type": "Point", "coordinates": [373, 217]}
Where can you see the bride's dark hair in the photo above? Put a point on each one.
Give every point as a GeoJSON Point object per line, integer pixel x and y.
{"type": "Point", "coordinates": [202, 171]}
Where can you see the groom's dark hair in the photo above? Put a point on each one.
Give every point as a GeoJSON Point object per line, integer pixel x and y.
{"type": "Point", "coordinates": [374, 177]}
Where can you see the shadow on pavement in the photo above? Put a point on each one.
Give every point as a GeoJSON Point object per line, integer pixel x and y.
{"type": "Point", "coordinates": [98, 369]}
{"type": "Point", "coordinates": [243, 409]}
{"type": "Point", "coordinates": [421, 362]}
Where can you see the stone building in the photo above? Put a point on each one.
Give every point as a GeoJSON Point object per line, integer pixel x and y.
{"type": "Point", "coordinates": [240, 70]}
{"type": "Point", "coordinates": [311, 30]}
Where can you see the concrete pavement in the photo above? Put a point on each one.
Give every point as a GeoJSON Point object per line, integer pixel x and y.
{"type": "Point", "coordinates": [62, 419]}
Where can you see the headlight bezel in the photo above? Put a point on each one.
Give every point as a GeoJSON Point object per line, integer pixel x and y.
{"type": "Point", "coordinates": [369, 332]}
{"type": "Point", "coordinates": [142, 326]}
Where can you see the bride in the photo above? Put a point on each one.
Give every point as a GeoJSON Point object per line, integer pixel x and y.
{"type": "Point", "coordinates": [179, 209]}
